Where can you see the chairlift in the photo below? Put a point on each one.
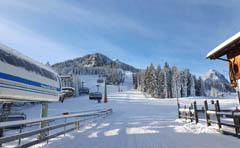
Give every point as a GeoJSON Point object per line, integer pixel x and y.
{"type": "Point", "coordinates": [95, 96]}
{"type": "Point", "coordinates": [68, 92]}
{"type": "Point", "coordinates": [83, 91]}
{"type": "Point", "coordinates": [100, 80]}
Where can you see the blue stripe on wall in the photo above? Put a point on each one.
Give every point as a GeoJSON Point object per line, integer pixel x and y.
{"type": "Point", "coordinates": [28, 82]}
{"type": "Point", "coordinates": [28, 90]}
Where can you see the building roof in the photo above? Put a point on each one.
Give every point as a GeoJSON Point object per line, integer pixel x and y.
{"type": "Point", "coordinates": [223, 48]}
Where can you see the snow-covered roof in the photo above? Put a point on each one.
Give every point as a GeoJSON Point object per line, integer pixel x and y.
{"type": "Point", "coordinates": [68, 88]}
{"type": "Point", "coordinates": [21, 56]}
{"type": "Point", "coordinates": [223, 48]}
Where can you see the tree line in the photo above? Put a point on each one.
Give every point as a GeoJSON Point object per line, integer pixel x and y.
{"type": "Point", "coordinates": [168, 82]}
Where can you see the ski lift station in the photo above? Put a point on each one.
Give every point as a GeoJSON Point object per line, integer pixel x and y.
{"type": "Point", "coordinates": [231, 49]}
{"type": "Point", "coordinates": [23, 79]}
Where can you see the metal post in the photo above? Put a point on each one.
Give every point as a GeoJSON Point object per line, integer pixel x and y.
{"type": "Point", "coordinates": [44, 113]}
{"type": "Point", "coordinates": [82, 84]}
{"type": "Point", "coordinates": [65, 121]}
{"type": "Point", "coordinates": [97, 88]}
{"type": "Point", "coordinates": [1, 135]}
{"type": "Point", "coordinates": [119, 87]}
{"type": "Point", "coordinates": [105, 92]}
{"type": "Point", "coordinates": [1, 120]}
{"type": "Point", "coordinates": [48, 122]}
{"type": "Point", "coordinates": [19, 140]}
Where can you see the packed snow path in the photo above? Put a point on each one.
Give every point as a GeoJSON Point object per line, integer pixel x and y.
{"type": "Point", "coordinates": [142, 122]}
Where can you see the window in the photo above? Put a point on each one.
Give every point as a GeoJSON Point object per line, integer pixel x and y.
{"type": "Point", "coordinates": [18, 62]}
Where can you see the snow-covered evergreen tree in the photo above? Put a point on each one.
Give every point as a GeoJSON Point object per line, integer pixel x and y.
{"type": "Point", "coordinates": [140, 80]}
{"type": "Point", "coordinates": [183, 79]}
{"type": "Point", "coordinates": [191, 86]}
{"type": "Point", "coordinates": [158, 70]}
{"type": "Point", "coordinates": [170, 82]}
{"type": "Point", "coordinates": [145, 85]}
{"type": "Point", "coordinates": [152, 81]}
{"type": "Point", "coordinates": [175, 84]}
{"type": "Point", "coordinates": [167, 84]}
{"type": "Point", "coordinates": [200, 91]}
{"type": "Point", "coordinates": [161, 84]}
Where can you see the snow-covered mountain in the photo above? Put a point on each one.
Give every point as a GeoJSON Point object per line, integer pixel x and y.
{"type": "Point", "coordinates": [214, 76]}
{"type": "Point", "coordinates": [216, 83]}
{"type": "Point", "coordinates": [91, 63]}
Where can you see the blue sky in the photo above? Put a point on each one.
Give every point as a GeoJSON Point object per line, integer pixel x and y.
{"type": "Point", "coordinates": [138, 32]}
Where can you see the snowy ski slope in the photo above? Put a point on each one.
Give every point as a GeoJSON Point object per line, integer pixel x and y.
{"type": "Point", "coordinates": [138, 121]}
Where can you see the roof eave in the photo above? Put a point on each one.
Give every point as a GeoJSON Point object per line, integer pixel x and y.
{"type": "Point", "coordinates": [223, 48]}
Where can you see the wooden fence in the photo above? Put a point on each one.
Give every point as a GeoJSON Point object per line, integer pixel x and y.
{"type": "Point", "coordinates": [221, 117]}
{"type": "Point", "coordinates": [70, 123]}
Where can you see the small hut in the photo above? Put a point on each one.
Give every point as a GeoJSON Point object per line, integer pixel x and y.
{"type": "Point", "coordinates": [231, 49]}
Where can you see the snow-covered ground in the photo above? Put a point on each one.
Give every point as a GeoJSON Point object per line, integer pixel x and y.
{"type": "Point", "coordinates": [138, 121]}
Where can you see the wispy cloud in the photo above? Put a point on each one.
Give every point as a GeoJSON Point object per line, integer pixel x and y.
{"type": "Point", "coordinates": [95, 29]}
{"type": "Point", "coordinates": [138, 32]}
{"type": "Point", "coordinates": [32, 44]}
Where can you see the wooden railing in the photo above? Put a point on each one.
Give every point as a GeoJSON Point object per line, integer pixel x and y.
{"type": "Point", "coordinates": [71, 122]}
{"type": "Point", "coordinates": [221, 117]}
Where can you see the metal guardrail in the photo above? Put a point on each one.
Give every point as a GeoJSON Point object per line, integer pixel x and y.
{"type": "Point", "coordinates": [46, 130]}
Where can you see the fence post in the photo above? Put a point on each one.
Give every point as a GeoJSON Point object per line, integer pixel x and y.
{"type": "Point", "coordinates": [236, 123]}
{"type": "Point", "coordinates": [179, 113]}
{"type": "Point", "coordinates": [190, 113]}
{"type": "Point", "coordinates": [65, 121]}
{"type": "Point", "coordinates": [185, 113]}
{"type": "Point", "coordinates": [217, 109]}
{"type": "Point", "coordinates": [206, 115]}
{"type": "Point", "coordinates": [195, 111]}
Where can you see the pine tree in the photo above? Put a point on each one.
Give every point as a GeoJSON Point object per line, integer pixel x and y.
{"type": "Point", "coordinates": [169, 82]}
{"type": "Point", "coordinates": [168, 77]}
{"type": "Point", "coordinates": [183, 78]}
{"type": "Point", "coordinates": [174, 81]}
{"type": "Point", "coordinates": [158, 80]}
{"type": "Point", "coordinates": [145, 84]}
{"type": "Point", "coordinates": [152, 81]}
{"type": "Point", "coordinates": [161, 83]}
{"type": "Point", "coordinates": [191, 86]}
